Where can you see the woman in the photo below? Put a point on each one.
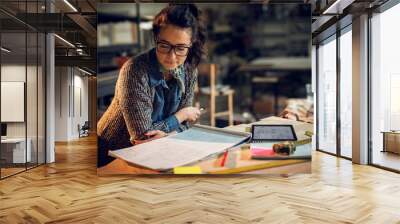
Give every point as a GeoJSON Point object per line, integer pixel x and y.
{"type": "Point", "coordinates": [154, 91]}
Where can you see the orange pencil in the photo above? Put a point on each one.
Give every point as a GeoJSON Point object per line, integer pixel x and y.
{"type": "Point", "coordinates": [224, 158]}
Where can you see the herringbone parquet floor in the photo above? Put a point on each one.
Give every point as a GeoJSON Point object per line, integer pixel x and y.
{"type": "Point", "coordinates": [69, 191]}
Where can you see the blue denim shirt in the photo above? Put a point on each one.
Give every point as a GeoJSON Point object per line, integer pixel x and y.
{"type": "Point", "coordinates": [167, 96]}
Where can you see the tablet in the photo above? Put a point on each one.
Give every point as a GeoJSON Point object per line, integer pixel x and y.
{"type": "Point", "coordinates": [273, 132]}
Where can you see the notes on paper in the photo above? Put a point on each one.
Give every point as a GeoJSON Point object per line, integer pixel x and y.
{"type": "Point", "coordinates": [182, 148]}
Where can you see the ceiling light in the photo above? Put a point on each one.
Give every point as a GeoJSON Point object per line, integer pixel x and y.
{"type": "Point", "coordinates": [333, 6]}
{"type": "Point", "coordinates": [70, 5]}
{"type": "Point", "coordinates": [65, 41]}
{"type": "Point", "coordinates": [84, 71]}
{"type": "Point", "coordinates": [80, 51]}
{"type": "Point", "coordinates": [5, 49]}
{"type": "Point", "coordinates": [338, 6]}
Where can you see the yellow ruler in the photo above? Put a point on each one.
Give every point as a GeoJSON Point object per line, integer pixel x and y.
{"type": "Point", "coordinates": [267, 165]}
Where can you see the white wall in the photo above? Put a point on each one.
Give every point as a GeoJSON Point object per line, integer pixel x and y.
{"type": "Point", "coordinates": [61, 103]}
{"type": "Point", "coordinates": [71, 93]}
{"type": "Point", "coordinates": [80, 100]}
{"type": "Point", "coordinates": [13, 72]}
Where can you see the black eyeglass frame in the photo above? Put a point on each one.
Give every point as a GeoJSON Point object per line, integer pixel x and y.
{"type": "Point", "coordinates": [172, 47]}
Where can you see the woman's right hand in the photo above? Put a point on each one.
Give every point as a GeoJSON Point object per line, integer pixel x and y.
{"type": "Point", "coordinates": [190, 114]}
{"type": "Point", "coordinates": [155, 134]}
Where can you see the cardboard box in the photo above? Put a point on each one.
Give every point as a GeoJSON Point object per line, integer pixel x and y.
{"type": "Point", "coordinates": [124, 33]}
{"type": "Point", "coordinates": [103, 35]}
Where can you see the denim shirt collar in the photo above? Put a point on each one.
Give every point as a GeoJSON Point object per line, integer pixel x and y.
{"type": "Point", "coordinates": [156, 77]}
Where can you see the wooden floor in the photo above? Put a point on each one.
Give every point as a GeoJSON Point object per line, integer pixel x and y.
{"type": "Point", "coordinates": [387, 159]}
{"type": "Point", "coordinates": [69, 191]}
{"type": "Point", "coordinates": [5, 172]}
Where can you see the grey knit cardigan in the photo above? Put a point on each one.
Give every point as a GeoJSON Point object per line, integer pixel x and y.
{"type": "Point", "coordinates": [129, 115]}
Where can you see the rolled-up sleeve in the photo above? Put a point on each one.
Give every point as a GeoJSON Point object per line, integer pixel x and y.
{"type": "Point", "coordinates": [187, 99]}
{"type": "Point", "coordinates": [172, 123]}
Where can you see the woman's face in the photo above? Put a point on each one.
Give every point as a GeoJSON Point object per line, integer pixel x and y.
{"type": "Point", "coordinates": [173, 45]}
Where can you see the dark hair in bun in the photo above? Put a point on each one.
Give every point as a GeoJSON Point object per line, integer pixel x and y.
{"type": "Point", "coordinates": [184, 16]}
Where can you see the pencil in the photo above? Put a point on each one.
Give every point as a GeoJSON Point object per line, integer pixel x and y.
{"type": "Point", "coordinates": [224, 158]}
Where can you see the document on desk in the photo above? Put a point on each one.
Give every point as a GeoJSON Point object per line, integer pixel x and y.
{"type": "Point", "coordinates": [182, 148]}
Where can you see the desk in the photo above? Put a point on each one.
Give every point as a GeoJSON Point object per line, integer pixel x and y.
{"type": "Point", "coordinates": [13, 150]}
{"type": "Point", "coordinates": [242, 163]}
{"type": "Point", "coordinates": [278, 64]}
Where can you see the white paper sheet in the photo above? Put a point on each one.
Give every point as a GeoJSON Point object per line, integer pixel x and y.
{"type": "Point", "coordinates": [180, 149]}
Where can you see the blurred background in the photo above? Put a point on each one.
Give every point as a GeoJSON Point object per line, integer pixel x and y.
{"type": "Point", "coordinates": [258, 62]}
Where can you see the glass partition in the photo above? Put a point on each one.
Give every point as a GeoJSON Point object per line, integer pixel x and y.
{"type": "Point", "coordinates": [14, 152]}
{"type": "Point", "coordinates": [41, 96]}
{"type": "Point", "coordinates": [22, 64]}
{"type": "Point", "coordinates": [31, 97]}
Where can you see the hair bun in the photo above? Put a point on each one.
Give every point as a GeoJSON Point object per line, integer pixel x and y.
{"type": "Point", "coordinates": [194, 10]}
{"type": "Point", "coordinates": [190, 7]}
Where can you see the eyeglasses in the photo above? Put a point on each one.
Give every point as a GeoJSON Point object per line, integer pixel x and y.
{"type": "Point", "coordinates": [165, 48]}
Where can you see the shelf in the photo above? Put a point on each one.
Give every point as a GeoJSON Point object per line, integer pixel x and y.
{"type": "Point", "coordinates": [111, 18]}
{"type": "Point", "coordinates": [114, 49]}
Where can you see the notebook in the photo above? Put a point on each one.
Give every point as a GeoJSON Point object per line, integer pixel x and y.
{"type": "Point", "coordinates": [266, 152]}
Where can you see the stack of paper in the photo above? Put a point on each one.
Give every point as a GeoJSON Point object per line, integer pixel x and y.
{"type": "Point", "coordinates": [181, 149]}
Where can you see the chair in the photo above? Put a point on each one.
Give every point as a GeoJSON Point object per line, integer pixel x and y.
{"type": "Point", "coordinates": [84, 130]}
{"type": "Point", "coordinates": [212, 91]}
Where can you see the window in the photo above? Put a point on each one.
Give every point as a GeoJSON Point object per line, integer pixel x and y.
{"type": "Point", "coordinates": [327, 95]}
{"type": "Point", "coordinates": [346, 92]}
{"type": "Point", "coordinates": [385, 85]}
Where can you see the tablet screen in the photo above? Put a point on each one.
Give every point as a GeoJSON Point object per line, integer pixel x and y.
{"type": "Point", "coordinates": [273, 133]}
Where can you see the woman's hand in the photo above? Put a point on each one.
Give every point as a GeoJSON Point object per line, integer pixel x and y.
{"type": "Point", "coordinates": [155, 134]}
{"type": "Point", "coordinates": [289, 115]}
{"type": "Point", "coordinates": [188, 114]}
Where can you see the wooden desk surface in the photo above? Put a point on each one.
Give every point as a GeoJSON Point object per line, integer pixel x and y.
{"type": "Point", "coordinates": [277, 64]}
{"type": "Point", "coordinates": [238, 159]}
